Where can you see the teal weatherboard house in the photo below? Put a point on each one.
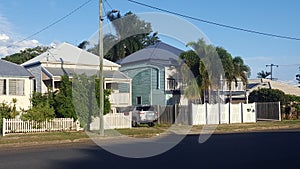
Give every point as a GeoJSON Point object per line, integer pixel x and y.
{"type": "Point", "coordinates": [154, 73]}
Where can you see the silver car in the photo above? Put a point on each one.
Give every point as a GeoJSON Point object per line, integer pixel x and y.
{"type": "Point", "coordinates": [144, 115]}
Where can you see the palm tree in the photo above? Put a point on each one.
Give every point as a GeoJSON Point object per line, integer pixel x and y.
{"type": "Point", "coordinates": [198, 64]}
{"type": "Point", "coordinates": [263, 74]}
{"type": "Point", "coordinates": [242, 71]}
{"type": "Point", "coordinates": [228, 67]}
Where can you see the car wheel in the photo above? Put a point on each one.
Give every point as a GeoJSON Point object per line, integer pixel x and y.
{"type": "Point", "coordinates": [151, 124]}
{"type": "Point", "coordinates": [134, 124]}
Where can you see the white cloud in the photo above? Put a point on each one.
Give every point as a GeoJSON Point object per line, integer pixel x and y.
{"type": "Point", "coordinates": [4, 37]}
{"type": "Point", "coordinates": [10, 46]}
{"type": "Point", "coordinates": [10, 41]}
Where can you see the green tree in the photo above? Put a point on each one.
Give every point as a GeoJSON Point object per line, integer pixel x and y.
{"type": "Point", "coordinates": [25, 55]}
{"type": "Point", "coordinates": [63, 104]}
{"type": "Point", "coordinates": [83, 44]}
{"type": "Point", "coordinates": [263, 74]}
{"type": "Point", "coordinates": [234, 69]}
{"type": "Point", "coordinates": [7, 111]}
{"type": "Point", "coordinates": [209, 67]}
{"type": "Point", "coordinates": [42, 107]}
{"type": "Point", "coordinates": [86, 98]}
{"type": "Point", "coordinates": [132, 35]}
{"type": "Point", "coordinates": [267, 95]}
{"type": "Point", "coordinates": [241, 70]}
{"type": "Point", "coordinates": [39, 113]}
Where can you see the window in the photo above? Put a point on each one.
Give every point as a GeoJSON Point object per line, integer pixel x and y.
{"type": "Point", "coordinates": [2, 86]}
{"type": "Point", "coordinates": [113, 86]}
{"type": "Point", "coordinates": [158, 79]}
{"type": "Point", "coordinates": [16, 87]}
{"type": "Point", "coordinates": [34, 85]}
{"type": "Point", "coordinates": [139, 100]}
{"type": "Point", "coordinates": [171, 84]}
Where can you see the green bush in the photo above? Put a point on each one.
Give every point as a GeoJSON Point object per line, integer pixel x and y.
{"type": "Point", "coordinates": [267, 95]}
{"type": "Point", "coordinates": [7, 111]}
{"type": "Point", "coordinates": [39, 113]}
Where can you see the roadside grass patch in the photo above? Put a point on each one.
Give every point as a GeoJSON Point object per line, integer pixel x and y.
{"type": "Point", "coordinates": [41, 137]}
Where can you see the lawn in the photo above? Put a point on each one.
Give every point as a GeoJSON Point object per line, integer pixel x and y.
{"type": "Point", "coordinates": [143, 131]}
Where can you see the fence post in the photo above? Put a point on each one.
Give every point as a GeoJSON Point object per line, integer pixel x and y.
{"type": "Point", "coordinates": [242, 113]}
{"type": "Point", "coordinates": [229, 111]}
{"type": "Point", "coordinates": [206, 114]}
{"type": "Point", "coordinates": [77, 125]}
{"type": "Point", "coordinates": [279, 111]}
{"type": "Point", "coordinates": [3, 126]}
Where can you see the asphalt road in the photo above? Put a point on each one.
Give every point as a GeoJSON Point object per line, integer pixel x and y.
{"type": "Point", "coordinates": [263, 150]}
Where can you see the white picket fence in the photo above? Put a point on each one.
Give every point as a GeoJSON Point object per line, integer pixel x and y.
{"type": "Point", "coordinates": [20, 126]}
{"type": "Point", "coordinates": [223, 113]}
{"type": "Point", "coordinates": [112, 121]}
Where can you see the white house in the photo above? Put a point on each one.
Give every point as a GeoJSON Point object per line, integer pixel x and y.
{"type": "Point", "coordinates": [66, 59]}
{"type": "Point", "coordinates": [15, 83]}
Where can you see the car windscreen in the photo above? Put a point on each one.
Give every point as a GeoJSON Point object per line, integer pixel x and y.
{"type": "Point", "coordinates": [145, 108]}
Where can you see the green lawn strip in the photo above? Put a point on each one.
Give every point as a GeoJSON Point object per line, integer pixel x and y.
{"type": "Point", "coordinates": [141, 131]}
{"type": "Point", "coordinates": [259, 126]}
{"type": "Point", "coordinates": [145, 131]}
{"type": "Point", "coordinates": [41, 137]}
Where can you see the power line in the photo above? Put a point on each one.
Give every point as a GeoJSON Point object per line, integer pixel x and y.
{"type": "Point", "coordinates": [55, 22]}
{"type": "Point", "coordinates": [108, 4]}
{"type": "Point", "coordinates": [215, 23]}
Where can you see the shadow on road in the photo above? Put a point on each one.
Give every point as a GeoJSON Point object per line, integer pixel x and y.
{"type": "Point", "coordinates": [242, 151]}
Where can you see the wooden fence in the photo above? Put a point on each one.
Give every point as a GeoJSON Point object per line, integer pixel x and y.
{"type": "Point", "coordinates": [268, 111]}
{"type": "Point", "coordinates": [173, 114]}
{"type": "Point", "coordinates": [20, 126]}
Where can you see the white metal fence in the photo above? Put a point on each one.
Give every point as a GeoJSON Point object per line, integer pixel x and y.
{"type": "Point", "coordinates": [223, 113]}
{"type": "Point", "coordinates": [112, 121]}
{"type": "Point", "coordinates": [20, 126]}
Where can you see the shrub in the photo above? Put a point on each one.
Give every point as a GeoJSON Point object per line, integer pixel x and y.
{"type": "Point", "coordinates": [39, 113]}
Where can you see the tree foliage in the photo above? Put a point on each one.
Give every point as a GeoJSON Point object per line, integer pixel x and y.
{"type": "Point", "coordinates": [132, 34]}
{"type": "Point", "coordinates": [39, 113]}
{"type": "Point", "coordinates": [63, 104]}
{"type": "Point", "coordinates": [267, 95]}
{"type": "Point", "coordinates": [263, 74]}
{"type": "Point", "coordinates": [25, 55]}
{"type": "Point", "coordinates": [206, 63]}
{"type": "Point", "coordinates": [86, 98]}
{"type": "Point", "coordinates": [8, 111]}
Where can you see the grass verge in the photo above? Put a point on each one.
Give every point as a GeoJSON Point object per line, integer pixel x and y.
{"type": "Point", "coordinates": [144, 132]}
{"type": "Point", "coordinates": [41, 137]}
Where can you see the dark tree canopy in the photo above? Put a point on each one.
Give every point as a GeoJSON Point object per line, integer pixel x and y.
{"type": "Point", "coordinates": [263, 74]}
{"type": "Point", "coordinates": [132, 34]}
{"type": "Point", "coordinates": [25, 55]}
{"type": "Point", "coordinates": [267, 95]}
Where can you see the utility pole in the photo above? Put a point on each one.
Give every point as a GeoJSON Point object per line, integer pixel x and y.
{"type": "Point", "coordinates": [271, 72]}
{"type": "Point", "coordinates": [101, 76]}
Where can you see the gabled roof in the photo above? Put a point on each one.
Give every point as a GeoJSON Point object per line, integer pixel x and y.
{"type": "Point", "coordinates": [8, 69]}
{"type": "Point", "coordinates": [69, 54]}
{"type": "Point", "coordinates": [254, 84]}
{"type": "Point", "coordinates": [157, 54]}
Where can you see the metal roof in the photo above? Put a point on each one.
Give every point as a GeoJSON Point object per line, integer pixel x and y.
{"type": "Point", "coordinates": [68, 53]}
{"type": "Point", "coordinates": [12, 69]}
{"type": "Point", "coordinates": [89, 72]}
{"type": "Point", "coordinates": [157, 54]}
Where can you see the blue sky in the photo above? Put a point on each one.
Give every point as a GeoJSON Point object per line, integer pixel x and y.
{"type": "Point", "coordinates": [19, 19]}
